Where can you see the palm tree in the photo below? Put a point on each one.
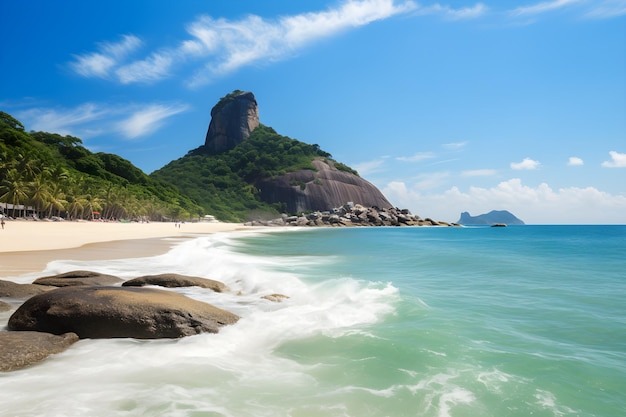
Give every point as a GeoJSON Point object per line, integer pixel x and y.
{"type": "Point", "coordinates": [40, 193]}
{"type": "Point", "coordinates": [14, 190]}
{"type": "Point", "coordinates": [57, 199]}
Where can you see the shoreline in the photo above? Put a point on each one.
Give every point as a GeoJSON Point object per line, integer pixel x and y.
{"type": "Point", "coordinates": [27, 246]}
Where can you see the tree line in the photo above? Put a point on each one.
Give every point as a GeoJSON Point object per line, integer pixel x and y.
{"type": "Point", "coordinates": [48, 175]}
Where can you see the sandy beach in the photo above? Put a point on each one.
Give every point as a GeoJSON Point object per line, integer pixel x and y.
{"type": "Point", "coordinates": [27, 246]}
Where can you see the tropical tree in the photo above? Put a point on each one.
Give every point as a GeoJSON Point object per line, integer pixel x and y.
{"type": "Point", "coordinates": [14, 190]}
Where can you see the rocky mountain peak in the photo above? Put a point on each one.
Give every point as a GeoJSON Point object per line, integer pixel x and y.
{"type": "Point", "coordinates": [232, 120]}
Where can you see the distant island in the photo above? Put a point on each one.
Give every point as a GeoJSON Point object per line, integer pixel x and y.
{"type": "Point", "coordinates": [503, 217]}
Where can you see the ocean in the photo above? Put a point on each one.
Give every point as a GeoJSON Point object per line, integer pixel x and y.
{"type": "Point", "coordinates": [423, 321]}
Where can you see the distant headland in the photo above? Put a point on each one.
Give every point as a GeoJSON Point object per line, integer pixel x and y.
{"type": "Point", "coordinates": [493, 217]}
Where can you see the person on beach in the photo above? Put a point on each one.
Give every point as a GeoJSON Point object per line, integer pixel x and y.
{"type": "Point", "coordinates": [2, 222]}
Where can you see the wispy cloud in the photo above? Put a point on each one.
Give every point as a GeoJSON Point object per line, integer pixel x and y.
{"type": "Point", "coordinates": [107, 57]}
{"type": "Point", "coordinates": [148, 119]}
{"type": "Point", "coordinates": [370, 167]}
{"type": "Point", "coordinates": [221, 45]}
{"type": "Point", "coordinates": [543, 7]}
{"type": "Point", "coordinates": [60, 120]}
{"type": "Point", "coordinates": [618, 160]}
{"type": "Point", "coordinates": [598, 9]}
{"type": "Point", "coordinates": [575, 161]}
{"type": "Point", "coordinates": [454, 145]}
{"type": "Point", "coordinates": [418, 157]}
{"type": "Point", "coordinates": [607, 9]}
{"type": "Point", "coordinates": [230, 45]}
{"type": "Point", "coordinates": [155, 67]}
{"type": "Point", "coordinates": [479, 173]}
{"type": "Point", "coordinates": [454, 14]}
{"type": "Point", "coordinates": [527, 163]}
{"type": "Point", "coordinates": [92, 119]}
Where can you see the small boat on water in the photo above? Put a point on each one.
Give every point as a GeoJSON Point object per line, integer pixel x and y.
{"type": "Point", "coordinates": [498, 225]}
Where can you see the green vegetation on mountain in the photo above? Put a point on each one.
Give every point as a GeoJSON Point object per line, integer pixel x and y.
{"type": "Point", "coordinates": [223, 184]}
{"type": "Point", "coordinates": [57, 176]}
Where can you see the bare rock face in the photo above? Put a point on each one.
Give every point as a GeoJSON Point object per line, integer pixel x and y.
{"type": "Point", "coordinates": [176, 280]}
{"type": "Point", "coordinates": [76, 278]}
{"type": "Point", "coordinates": [22, 349]}
{"type": "Point", "coordinates": [109, 312]}
{"type": "Point", "coordinates": [232, 120]}
{"type": "Point", "coordinates": [325, 189]}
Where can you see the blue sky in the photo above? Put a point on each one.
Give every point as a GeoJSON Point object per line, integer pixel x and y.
{"type": "Point", "coordinates": [446, 107]}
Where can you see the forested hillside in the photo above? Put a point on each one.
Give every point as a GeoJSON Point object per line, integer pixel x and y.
{"type": "Point", "coordinates": [57, 176]}
{"type": "Point", "coordinates": [223, 184]}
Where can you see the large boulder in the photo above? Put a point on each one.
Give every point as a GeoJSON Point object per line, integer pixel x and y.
{"type": "Point", "coordinates": [323, 189]}
{"type": "Point", "coordinates": [21, 349]}
{"type": "Point", "coordinates": [10, 289]}
{"type": "Point", "coordinates": [75, 278]}
{"type": "Point", "coordinates": [232, 120]}
{"type": "Point", "coordinates": [176, 280]}
{"type": "Point", "coordinates": [108, 312]}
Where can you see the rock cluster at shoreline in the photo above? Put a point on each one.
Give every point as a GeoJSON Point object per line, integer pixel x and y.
{"type": "Point", "coordinates": [352, 215]}
{"type": "Point", "coordinates": [56, 311]}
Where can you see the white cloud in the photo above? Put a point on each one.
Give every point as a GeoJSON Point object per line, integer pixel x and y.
{"type": "Point", "coordinates": [575, 161]}
{"type": "Point", "coordinates": [230, 45]}
{"type": "Point", "coordinates": [455, 145]}
{"type": "Point", "coordinates": [455, 14]}
{"type": "Point", "coordinates": [607, 9]}
{"type": "Point", "coordinates": [534, 205]}
{"type": "Point", "coordinates": [153, 68]}
{"type": "Point", "coordinates": [418, 157]}
{"type": "Point", "coordinates": [92, 119]}
{"type": "Point", "coordinates": [59, 120]}
{"type": "Point", "coordinates": [369, 167]}
{"type": "Point", "coordinates": [223, 45]}
{"type": "Point", "coordinates": [527, 163]}
{"type": "Point", "coordinates": [618, 160]}
{"type": "Point", "coordinates": [99, 64]}
{"type": "Point", "coordinates": [597, 9]}
{"type": "Point", "coordinates": [147, 120]}
{"type": "Point", "coordinates": [543, 7]}
{"type": "Point", "coordinates": [479, 173]}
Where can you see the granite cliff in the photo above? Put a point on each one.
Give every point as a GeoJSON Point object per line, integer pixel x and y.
{"type": "Point", "coordinates": [232, 120]}
{"type": "Point", "coordinates": [323, 189]}
{"type": "Point", "coordinates": [236, 115]}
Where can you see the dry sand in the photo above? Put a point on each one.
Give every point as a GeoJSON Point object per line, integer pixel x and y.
{"type": "Point", "coordinates": [27, 246]}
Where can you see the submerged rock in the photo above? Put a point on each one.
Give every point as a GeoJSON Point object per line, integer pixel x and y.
{"type": "Point", "coordinates": [176, 280]}
{"type": "Point", "coordinates": [22, 349]}
{"type": "Point", "coordinates": [109, 312]}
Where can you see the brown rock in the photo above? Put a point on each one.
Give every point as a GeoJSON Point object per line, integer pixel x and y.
{"type": "Point", "coordinates": [10, 289]}
{"type": "Point", "coordinates": [75, 278]}
{"type": "Point", "coordinates": [108, 312]}
{"type": "Point", "coordinates": [5, 306]}
{"type": "Point", "coordinates": [176, 280]}
{"type": "Point", "coordinates": [21, 349]}
{"type": "Point", "coordinates": [276, 298]}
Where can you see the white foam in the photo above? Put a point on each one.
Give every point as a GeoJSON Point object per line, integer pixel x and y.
{"type": "Point", "coordinates": [122, 377]}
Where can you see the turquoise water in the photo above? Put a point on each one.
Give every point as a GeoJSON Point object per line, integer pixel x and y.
{"type": "Point", "coordinates": [516, 321]}
{"type": "Point", "coordinates": [489, 321]}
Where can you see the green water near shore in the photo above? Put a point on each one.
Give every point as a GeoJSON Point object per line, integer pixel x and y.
{"type": "Point", "coordinates": [514, 321]}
